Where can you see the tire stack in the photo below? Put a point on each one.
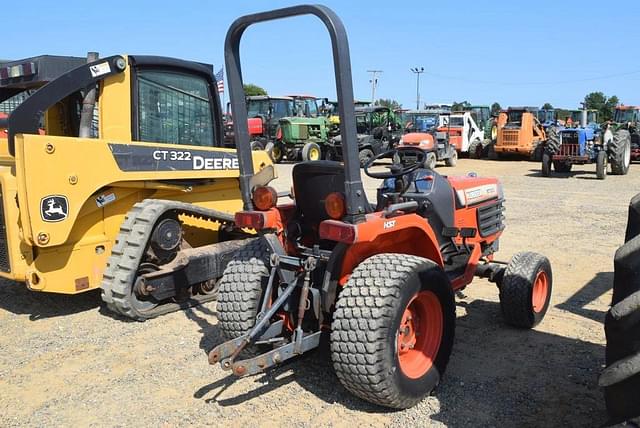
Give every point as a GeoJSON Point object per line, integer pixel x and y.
{"type": "Point", "coordinates": [621, 378]}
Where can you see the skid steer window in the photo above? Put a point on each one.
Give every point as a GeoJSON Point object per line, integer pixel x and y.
{"type": "Point", "coordinates": [174, 108]}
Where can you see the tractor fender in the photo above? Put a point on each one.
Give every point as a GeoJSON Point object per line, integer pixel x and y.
{"type": "Point", "coordinates": [403, 234]}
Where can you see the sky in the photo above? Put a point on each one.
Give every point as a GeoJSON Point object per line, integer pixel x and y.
{"type": "Point", "coordinates": [512, 52]}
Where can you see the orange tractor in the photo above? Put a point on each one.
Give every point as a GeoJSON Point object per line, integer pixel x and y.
{"type": "Point", "coordinates": [519, 133]}
{"type": "Point", "coordinates": [380, 278]}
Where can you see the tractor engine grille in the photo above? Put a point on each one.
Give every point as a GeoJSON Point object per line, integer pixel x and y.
{"type": "Point", "coordinates": [490, 218]}
{"type": "Point", "coordinates": [570, 144]}
{"type": "Point", "coordinates": [4, 249]}
{"type": "Point", "coordinates": [510, 137]}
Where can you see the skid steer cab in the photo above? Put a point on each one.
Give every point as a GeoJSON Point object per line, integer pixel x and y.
{"type": "Point", "coordinates": [379, 279]}
{"type": "Point", "coordinates": [112, 177]}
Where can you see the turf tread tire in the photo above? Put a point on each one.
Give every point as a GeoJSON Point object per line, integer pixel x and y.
{"type": "Point", "coordinates": [366, 308]}
{"type": "Point", "coordinates": [516, 289]}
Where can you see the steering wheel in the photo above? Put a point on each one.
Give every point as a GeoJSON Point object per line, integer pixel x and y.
{"type": "Point", "coordinates": [396, 169]}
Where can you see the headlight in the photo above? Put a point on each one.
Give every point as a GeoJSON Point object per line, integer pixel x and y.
{"type": "Point", "coordinates": [424, 142]}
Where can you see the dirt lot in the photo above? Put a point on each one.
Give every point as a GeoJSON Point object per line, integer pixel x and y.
{"type": "Point", "coordinates": [65, 361]}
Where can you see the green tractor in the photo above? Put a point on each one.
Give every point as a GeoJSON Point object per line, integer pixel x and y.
{"type": "Point", "coordinates": [303, 136]}
{"type": "Point", "coordinates": [622, 135]}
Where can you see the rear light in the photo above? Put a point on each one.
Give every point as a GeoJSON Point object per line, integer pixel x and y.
{"type": "Point", "coordinates": [338, 231]}
{"type": "Point", "coordinates": [250, 219]}
{"type": "Point", "coordinates": [264, 198]}
{"type": "Point", "coordinates": [334, 205]}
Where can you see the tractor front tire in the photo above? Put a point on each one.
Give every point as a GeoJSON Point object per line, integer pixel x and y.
{"type": "Point", "coordinates": [620, 152]}
{"type": "Point", "coordinates": [546, 165]}
{"type": "Point", "coordinates": [241, 289]}
{"type": "Point", "coordinates": [311, 152]}
{"type": "Point", "coordinates": [275, 152]}
{"type": "Point", "coordinates": [601, 165]}
{"type": "Point", "coordinates": [525, 290]}
{"type": "Point", "coordinates": [453, 159]}
{"type": "Point", "coordinates": [430, 161]}
{"type": "Point", "coordinates": [365, 155]}
{"type": "Point", "coordinates": [393, 329]}
{"type": "Point", "coordinates": [256, 145]}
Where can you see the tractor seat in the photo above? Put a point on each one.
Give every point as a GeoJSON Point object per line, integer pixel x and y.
{"type": "Point", "coordinates": [313, 181]}
{"type": "Point", "coordinates": [434, 194]}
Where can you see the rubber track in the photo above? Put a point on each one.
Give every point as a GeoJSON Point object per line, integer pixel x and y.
{"type": "Point", "coordinates": [359, 330]}
{"type": "Point", "coordinates": [129, 249]}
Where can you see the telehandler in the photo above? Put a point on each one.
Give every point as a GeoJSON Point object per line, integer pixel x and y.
{"type": "Point", "coordinates": [127, 190]}
{"type": "Point", "coordinates": [379, 279]}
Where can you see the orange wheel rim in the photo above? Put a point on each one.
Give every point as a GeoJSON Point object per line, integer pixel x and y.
{"type": "Point", "coordinates": [540, 291]}
{"type": "Point", "coordinates": [419, 334]}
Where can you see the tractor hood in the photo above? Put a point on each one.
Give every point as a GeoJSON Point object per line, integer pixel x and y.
{"type": "Point", "coordinates": [421, 139]}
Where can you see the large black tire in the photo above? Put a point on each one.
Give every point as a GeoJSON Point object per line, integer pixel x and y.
{"type": "Point", "coordinates": [560, 166]}
{"type": "Point", "coordinates": [525, 289]}
{"type": "Point", "coordinates": [365, 155]}
{"type": "Point", "coordinates": [241, 289]}
{"type": "Point", "coordinates": [601, 165]}
{"type": "Point", "coordinates": [552, 145]}
{"type": "Point", "coordinates": [620, 152]}
{"type": "Point", "coordinates": [275, 151]}
{"type": "Point", "coordinates": [453, 159]}
{"type": "Point", "coordinates": [311, 152]}
{"type": "Point", "coordinates": [368, 315]}
{"type": "Point", "coordinates": [621, 378]}
{"type": "Point", "coordinates": [475, 149]}
{"type": "Point", "coordinates": [546, 165]}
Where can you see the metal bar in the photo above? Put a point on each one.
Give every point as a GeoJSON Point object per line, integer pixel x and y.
{"type": "Point", "coordinates": [25, 119]}
{"type": "Point", "coordinates": [355, 196]}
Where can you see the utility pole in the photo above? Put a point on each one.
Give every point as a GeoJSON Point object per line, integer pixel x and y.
{"type": "Point", "coordinates": [374, 83]}
{"type": "Point", "coordinates": [418, 72]}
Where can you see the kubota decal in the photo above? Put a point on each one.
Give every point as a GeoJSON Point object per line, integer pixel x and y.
{"type": "Point", "coordinates": [477, 194]}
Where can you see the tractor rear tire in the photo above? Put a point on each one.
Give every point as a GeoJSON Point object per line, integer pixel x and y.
{"type": "Point", "coordinates": [311, 152]}
{"type": "Point", "coordinates": [365, 155]}
{"type": "Point", "coordinates": [560, 166]}
{"type": "Point", "coordinates": [430, 160]}
{"type": "Point", "coordinates": [546, 165]}
{"type": "Point", "coordinates": [601, 165]}
{"type": "Point", "coordinates": [453, 159]}
{"type": "Point", "coordinates": [275, 152]}
{"type": "Point", "coordinates": [375, 351]}
{"type": "Point", "coordinates": [475, 149]}
{"type": "Point", "coordinates": [241, 289]}
{"type": "Point", "coordinates": [620, 152]}
{"type": "Point", "coordinates": [552, 145]}
{"type": "Point", "coordinates": [525, 289]}
{"type": "Point", "coordinates": [621, 378]}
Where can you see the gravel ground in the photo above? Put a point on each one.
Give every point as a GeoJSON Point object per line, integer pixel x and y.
{"type": "Point", "coordinates": [65, 361]}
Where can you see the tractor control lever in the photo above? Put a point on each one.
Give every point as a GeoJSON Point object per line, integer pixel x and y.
{"type": "Point", "coordinates": [400, 206]}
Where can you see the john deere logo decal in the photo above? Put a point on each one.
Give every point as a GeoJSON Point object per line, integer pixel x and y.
{"type": "Point", "coordinates": [54, 208]}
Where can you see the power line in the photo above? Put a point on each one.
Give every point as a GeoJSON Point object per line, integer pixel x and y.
{"type": "Point", "coordinates": [558, 82]}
